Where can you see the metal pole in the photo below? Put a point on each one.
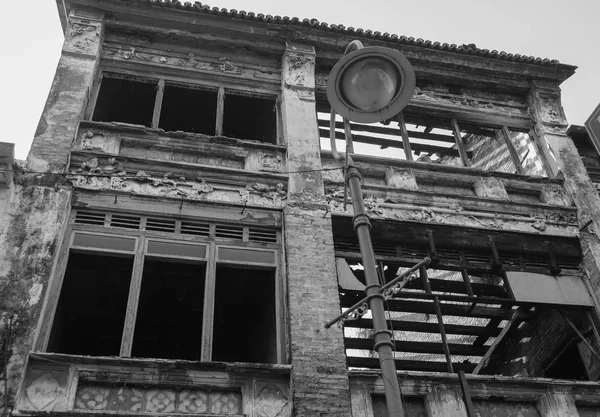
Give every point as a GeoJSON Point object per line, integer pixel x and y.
{"type": "Point", "coordinates": [381, 335]}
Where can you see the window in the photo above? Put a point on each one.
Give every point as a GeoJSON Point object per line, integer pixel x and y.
{"type": "Point", "coordinates": [437, 140]}
{"type": "Point", "coordinates": [151, 287]}
{"type": "Point", "coordinates": [171, 106]}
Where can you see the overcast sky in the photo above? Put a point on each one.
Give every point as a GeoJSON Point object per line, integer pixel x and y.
{"type": "Point", "coordinates": [31, 39]}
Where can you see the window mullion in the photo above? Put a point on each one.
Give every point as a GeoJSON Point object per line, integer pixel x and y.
{"type": "Point", "coordinates": [160, 91]}
{"type": "Point", "coordinates": [133, 300]}
{"type": "Point", "coordinates": [209, 303]}
{"type": "Point", "coordinates": [220, 110]}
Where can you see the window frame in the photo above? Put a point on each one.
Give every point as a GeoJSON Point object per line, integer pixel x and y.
{"type": "Point", "coordinates": [140, 253]}
{"type": "Point", "coordinates": [221, 88]}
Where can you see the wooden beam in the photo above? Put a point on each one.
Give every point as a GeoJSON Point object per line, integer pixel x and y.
{"type": "Point", "coordinates": [390, 143]}
{"type": "Point", "coordinates": [160, 91]}
{"type": "Point", "coordinates": [497, 341]}
{"type": "Point", "coordinates": [390, 131]}
{"type": "Point", "coordinates": [409, 306]}
{"type": "Point", "coordinates": [405, 137]}
{"type": "Point", "coordinates": [417, 347]}
{"type": "Point", "coordinates": [462, 150]}
{"type": "Point", "coordinates": [512, 151]}
{"type": "Point", "coordinates": [415, 326]}
{"type": "Point", "coordinates": [550, 164]}
{"type": "Point", "coordinates": [464, 386]}
{"type": "Point", "coordinates": [409, 365]}
{"type": "Point", "coordinates": [220, 111]}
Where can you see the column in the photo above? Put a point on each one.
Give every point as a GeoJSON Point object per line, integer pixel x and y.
{"type": "Point", "coordinates": [69, 93]}
{"type": "Point", "coordinates": [319, 377]}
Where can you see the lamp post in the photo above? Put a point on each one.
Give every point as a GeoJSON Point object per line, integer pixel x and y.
{"type": "Point", "coordinates": [370, 85]}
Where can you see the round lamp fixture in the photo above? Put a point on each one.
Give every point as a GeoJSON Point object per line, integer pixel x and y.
{"type": "Point", "coordinates": [371, 84]}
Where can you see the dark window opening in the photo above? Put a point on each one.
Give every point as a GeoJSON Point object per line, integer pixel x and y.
{"type": "Point", "coordinates": [244, 321]}
{"type": "Point", "coordinates": [188, 110]}
{"type": "Point", "coordinates": [568, 365]}
{"type": "Point", "coordinates": [125, 101]}
{"type": "Point", "coordinates": [251, 118]}
{"type": "Point", "coordinates": [169, 316]}
{"type": "Point", "coordinates": [91, 310]}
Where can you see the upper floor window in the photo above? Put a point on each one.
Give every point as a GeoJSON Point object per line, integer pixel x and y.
{"type": "Point", "coordinates": [173, 106]}
{"type": "Point", "coordinates": [147, 287]}
{"type": "Point", "coordinates": [443, 141]}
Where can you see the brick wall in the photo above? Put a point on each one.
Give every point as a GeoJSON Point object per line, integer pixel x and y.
{"type": "Point", "coordinates": [319, 377]}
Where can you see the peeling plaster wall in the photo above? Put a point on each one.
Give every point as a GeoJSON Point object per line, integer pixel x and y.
{"type": "Point", "coordinates": [31, 236]}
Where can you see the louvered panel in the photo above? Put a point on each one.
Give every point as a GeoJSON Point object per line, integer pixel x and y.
{"type": "Point", "coordinates": [448, 254]}
{"type": "Point", "coordinates": [195, 228]}
{"type": "Point", "coordinates": [160, 225]}
{"type": "Point", "coordinates": [125, 221]}
{"type": "Point", "coordinates": [90, 217]}
{"type": "Point", "coordinates": [229, 232]}
{"type": "Point", "coordinates": [262, 235]}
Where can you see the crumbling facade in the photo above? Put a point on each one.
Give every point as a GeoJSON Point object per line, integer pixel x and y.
{"type": "Point", "coordinates": [179, 236]}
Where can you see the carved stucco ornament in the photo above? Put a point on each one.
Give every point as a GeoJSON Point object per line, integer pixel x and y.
{"type": "Point", "coordinates": [271, 402]}
{"type": "Point", "coordinates": [83, 38]}
{"type": "Point", "coordinates": [270, 163]}
{"type": "Point", "coordinates": [44, 392]}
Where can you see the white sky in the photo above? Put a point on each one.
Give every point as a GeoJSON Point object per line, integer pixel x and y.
{"type": "Point", "coordinates": [31, 39]}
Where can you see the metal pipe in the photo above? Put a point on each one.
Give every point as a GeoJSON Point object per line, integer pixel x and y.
{"type": "Point", "coordinates": [381, 335]}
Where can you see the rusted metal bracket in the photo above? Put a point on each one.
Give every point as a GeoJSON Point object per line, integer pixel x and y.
{"type": "Point", "coordinates": [386, 292]}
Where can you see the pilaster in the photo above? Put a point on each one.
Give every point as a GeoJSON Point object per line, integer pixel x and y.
{"type": "Point", "coordinates": [550, 126]}
{"type": "Point", "coordinates": [69, 93]}
{"type": "Point", "coordinates": [299, 121]}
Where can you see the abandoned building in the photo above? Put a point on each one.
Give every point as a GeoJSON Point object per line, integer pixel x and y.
{"type": "Point", "coordinates": [180, 232]}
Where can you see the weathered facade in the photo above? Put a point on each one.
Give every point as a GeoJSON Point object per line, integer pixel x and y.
{"type": "Point", "coordinates": [178, 235]}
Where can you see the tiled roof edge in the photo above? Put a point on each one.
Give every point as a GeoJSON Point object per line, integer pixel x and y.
{"type": "Point", "coordinates": [469, 49]}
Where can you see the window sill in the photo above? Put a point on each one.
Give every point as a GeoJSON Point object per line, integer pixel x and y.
{"type": "Point", "coordinates": [238, 367]}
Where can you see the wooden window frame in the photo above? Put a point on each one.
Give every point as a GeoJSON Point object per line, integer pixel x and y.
{"type": "Point", "coordinates": [139, 254]}
{"type": "Point", "coordinates": [221, 89]}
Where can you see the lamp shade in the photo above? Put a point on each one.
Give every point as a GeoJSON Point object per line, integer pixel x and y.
{"type": "Point", "coordinates": [370, 84]}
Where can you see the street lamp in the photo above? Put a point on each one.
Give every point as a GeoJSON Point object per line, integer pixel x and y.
{"type": "Point", "coordinates": [370, 85]}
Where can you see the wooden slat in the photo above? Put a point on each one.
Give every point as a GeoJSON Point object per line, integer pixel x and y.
{"type": "Point", "coordinates": [417, 147]}
{"type": "Point", "coordinates": [418, 347]}
{"type": "Point", "coordinates": [409, 365]}
{"type": "Point", "coordinates": [414, 326]}
{"type": "Point", "coordinates": [462, 150]}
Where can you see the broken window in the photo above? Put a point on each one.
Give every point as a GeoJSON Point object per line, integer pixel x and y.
{"type": "Point", "coordinates": [212, 111]}
{"type": "Point", "coordinates": [125, 100]}
{"type": "Point", "coordinates": [475, 307]}
{"type": "Point", "coordinates": [247, 117]}
{"type": "Point", "coordinates": [421, 138]}
{"type": "Point", "coordinates": [188, 109]}
{"type": "Point", "coordinates": [171, 289]}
